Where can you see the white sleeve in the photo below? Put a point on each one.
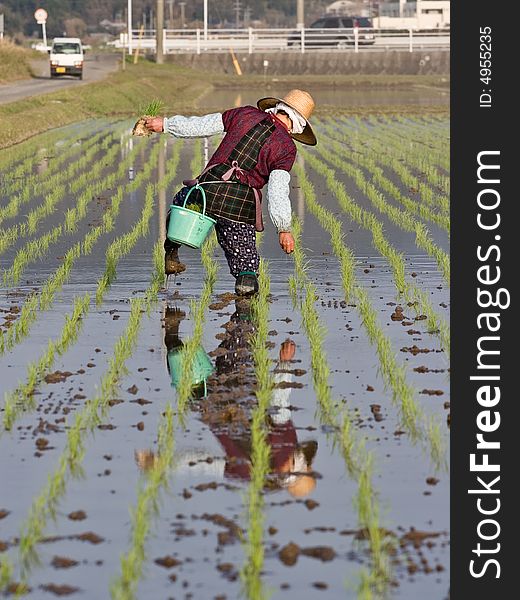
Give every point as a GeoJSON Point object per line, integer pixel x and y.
{"type": "Point", "coordinates": [278, 201]}
{"type": "Point", "coordinates": [192, 127]}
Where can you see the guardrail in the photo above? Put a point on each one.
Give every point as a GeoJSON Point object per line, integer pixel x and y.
{"type": "Point", "coordinates": [357, 39]}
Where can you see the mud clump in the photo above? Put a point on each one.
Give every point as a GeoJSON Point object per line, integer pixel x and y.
{"type": "Point", "coordinates": [432, 392]}
{"type": "Point", "coordinates": [282, 385]}
{"type": "Point", "coordinates": [416, 537]}
{"type": "Point", "coordinates": [133, 389]}
{"type": "Point", "coordinates": [57, 377]}
{"type": "Point", "coordinates": [167, 562]}
{"type": "Point", "coordinates": [323, 553]}
{"type": "Point", "coordinates": [397, 315]}
{"type": "Point", "coordinates": [311, 504]}
{"type": "Point", "coordinates": [90, 537]}
{"type": "Point", "coordinates": [59, 590]}
{"type": "Point", "coordinates": [289, 554]}
{"type": "Point", "coordinates": [42, 444]}
{"type": "Point", "coordinates": [62, 562]}
{"type": "Point", "coordinates": [416, 350]}
{"type": "Point", "coordinates": [77, 515]}
{"type": "Point", "coordinates": [320, 585]}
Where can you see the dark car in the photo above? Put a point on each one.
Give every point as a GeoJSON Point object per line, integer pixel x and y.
{"type": "Point", "coordinates": [335, 31]}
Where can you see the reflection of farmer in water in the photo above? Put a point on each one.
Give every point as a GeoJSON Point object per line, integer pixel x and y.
{"type": "Point", "coordinates": [227, 417]}
{"type": "Point", "coordinates": [258, 149]}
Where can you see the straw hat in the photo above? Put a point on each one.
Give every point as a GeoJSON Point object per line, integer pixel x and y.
{"type": "Point", "coordinates": [304, 104]}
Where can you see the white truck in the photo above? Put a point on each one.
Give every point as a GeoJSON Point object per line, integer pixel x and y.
{"type": "Point", "coordinates": [66, 57]}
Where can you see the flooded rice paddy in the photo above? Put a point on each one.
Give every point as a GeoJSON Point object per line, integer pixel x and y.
{"type": "Point", "coordinates": [182, 443]}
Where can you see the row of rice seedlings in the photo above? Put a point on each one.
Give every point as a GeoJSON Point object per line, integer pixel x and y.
{"type": "Point", "coordinates": [120, 247]}
{"type": "Point", "coordinates": [29, 154]}
{"type": "Point", "coordinates": [397, 216]}
{"type": "Point", "coordinates": [357, 459]}
{"type": "Point", "coordinates": [394, 374]}
{"type": "Point", "coordinates": [198, 315]}
{"type": "Point", "coordinates": [86, 420]}
{"type": "Point", "coordinates": [124, 586]}
{"type": "Point", "coordinates": [42, 182]}
{"type": "Point", "coordinates": [38, 247]}
{"type": "Point", "coordinates": [10, 235]}
{"type": "Point", "coordinates": [251, 571]}
{"type": "Point", "coordinates": [393, 157]}
{"type": "Point", "coordinates": [379, 178]}
{"type": "Point", "coordinates": [16, 401]}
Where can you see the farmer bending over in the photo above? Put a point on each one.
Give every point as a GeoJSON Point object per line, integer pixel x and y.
{"type": "Point", "coordinates": [258, 149]}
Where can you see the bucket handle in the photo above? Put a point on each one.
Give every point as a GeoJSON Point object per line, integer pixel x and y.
{"type": "Point", "coordinates": [197, 187]}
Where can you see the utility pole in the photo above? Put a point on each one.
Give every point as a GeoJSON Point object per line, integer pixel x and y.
{"type": "Point", "coordinates": [205, 19]}
{"type": "Point", "coordinates": [170, 13]}
{"type": "Point", "coordinates": [300, 18]}
{"type": "Point", "coordinates": [236, 8]}
{"type": "Point", "coordinates": [159, 33]}
{"type": "Point", "coordinates": [129, 26]}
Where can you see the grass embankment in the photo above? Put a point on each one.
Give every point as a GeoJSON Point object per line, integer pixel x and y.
{"type": "Point", "coordinates": [15, 62]}
{"type": "Point", "coordinates": [120, 94]}
{"type": "Point", "coordinates": [178, 88]}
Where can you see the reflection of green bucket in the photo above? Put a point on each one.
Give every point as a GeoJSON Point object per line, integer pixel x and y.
{"type": "Point", "coordinates": [202, 366]}
{"type": "Point", "coordinates": [188, 226]}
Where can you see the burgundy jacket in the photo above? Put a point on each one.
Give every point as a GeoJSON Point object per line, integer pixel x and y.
{"type": "Point", "coordinates": [278, 152]}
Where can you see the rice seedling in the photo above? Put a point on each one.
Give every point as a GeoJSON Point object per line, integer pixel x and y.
{"type": "Point", "coordinates": [152, 109]}
{"type": "Point", "coordinates": [253, 542]}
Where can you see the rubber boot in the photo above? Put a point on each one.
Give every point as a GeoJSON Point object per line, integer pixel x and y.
{"type": "Point", "coordinates": [246, 284]}
{"type": "Point", "coordinates": [172, 264]}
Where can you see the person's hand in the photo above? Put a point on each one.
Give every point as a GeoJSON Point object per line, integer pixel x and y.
{"type": "Point", "coordinates": [287, 350]}
{"type": "Point", "coordinates": [154, 124]}
{"type": "Point", "coordinates": [286, 241]}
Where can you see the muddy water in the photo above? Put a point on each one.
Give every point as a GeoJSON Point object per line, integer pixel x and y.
{"type": "Point", "coordinates": [202, 508]}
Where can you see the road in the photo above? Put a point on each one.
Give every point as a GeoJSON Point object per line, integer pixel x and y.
{"type": "Point", "coordinates": [97, 67]}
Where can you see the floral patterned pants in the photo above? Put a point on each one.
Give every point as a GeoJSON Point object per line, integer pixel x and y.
{"type": "Point", "coordinates": [238, 240]}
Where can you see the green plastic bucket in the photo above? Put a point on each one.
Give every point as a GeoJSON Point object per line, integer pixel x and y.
{"type": "Point", "coordinates": [189, 227]}
{"type": "Point", "coordinates": [202, 366]}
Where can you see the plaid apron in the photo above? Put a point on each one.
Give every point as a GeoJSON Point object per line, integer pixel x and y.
{"type": "Point", "coordinates": [226, 196]}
